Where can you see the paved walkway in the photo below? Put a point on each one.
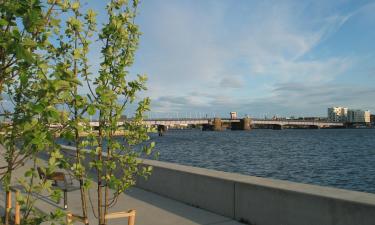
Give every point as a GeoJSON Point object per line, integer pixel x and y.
{"type": "Point", "coordinates": [152, 209]}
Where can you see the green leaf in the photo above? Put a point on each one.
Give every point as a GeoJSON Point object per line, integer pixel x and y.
{"type": "Point", "coordinates": [3, 22]}
{"type": "Point", "coordinates": [75, 5]}
{"type": "Point", "coordinates": [23, 53]}
{"type": "Point", "coordinates": [28, 173]}
{"type": "Point", "coordinates": [38, 108]}
{"type": "Point", "coordinates": [76, 54]}
{"type": "Point", "coordinates": [23, 78]}
{"type": "Point", "coordinates": [28, 42]}
{"type": "Point", "coordinates": [53, 113]}
{"type": "Point", "coordinates": [91, 110]}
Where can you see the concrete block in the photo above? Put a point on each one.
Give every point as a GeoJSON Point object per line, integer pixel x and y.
{"type": "Point", "coordinates": [262, 205]}
{"type": "Point", "coordinates": [207, 192]}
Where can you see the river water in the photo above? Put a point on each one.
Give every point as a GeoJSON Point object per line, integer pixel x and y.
{"type": "Point", "coordinates": [342, 158]}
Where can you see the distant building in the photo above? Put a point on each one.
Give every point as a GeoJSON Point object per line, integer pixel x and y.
{"type": "Point", "coordinates": [358, 116]}
{"type": "Point", "coordinates": [372, 119]}
{"type": "Point", "coordinates": [338, 114]}
{"type": "Point", "coordinates": [233, 115]}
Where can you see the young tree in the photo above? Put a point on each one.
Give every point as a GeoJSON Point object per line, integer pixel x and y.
{"type": "Point", "coordinates": [42, 69]}
{"type": "Point", "coordinates": [72, 66]}
{"type": "Point", "coordinates": [25, 76]}
{"type": "Point", "coordinates": [24, 31]}
{"type": "Point", "coordinates": [113, 159]}
{"type": "Point", "coordinates": [116, 162]}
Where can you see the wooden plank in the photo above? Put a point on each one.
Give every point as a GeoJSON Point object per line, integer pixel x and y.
{"type": "Point", "coordinates": [116, 215]}
{"type": "Point", "coordinates": [8, 207]}
{"type": "Point", "coordinates": [131, 219]}
{"type": "Point", "coordinates": [71, 217]}
{"type": "Point", "coordinates": [17, 216]}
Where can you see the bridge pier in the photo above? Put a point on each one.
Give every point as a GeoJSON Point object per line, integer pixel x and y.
{"type": "Point", "coordinates": [217, 126]}
{"type": "Point", "coordinates": [162, 129]}
{"type": "Point", "coordinates": [206, 127]}
{"type": "Point", "coordinates": [245, 124]}
{"type": "Point", "coordinates": [277, 127]}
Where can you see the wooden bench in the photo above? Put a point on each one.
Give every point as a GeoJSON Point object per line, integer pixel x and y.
{"type": "Point", "coordinates": [57, 177]}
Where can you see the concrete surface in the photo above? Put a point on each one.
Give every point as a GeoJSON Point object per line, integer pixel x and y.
{"type": "Point", "coordinates": [260, 201]}
{"type": "Point", "coordinates": [152, 209]}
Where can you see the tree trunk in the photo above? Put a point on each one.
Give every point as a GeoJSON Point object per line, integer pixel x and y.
{"type": "Point", "coordinates": [99, 175]}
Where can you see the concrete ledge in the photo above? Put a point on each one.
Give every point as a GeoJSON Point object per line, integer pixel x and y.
{"type": "Point", "coordinates": [190, 186]}
{"type": "Point", "coordinates": [257, 200]}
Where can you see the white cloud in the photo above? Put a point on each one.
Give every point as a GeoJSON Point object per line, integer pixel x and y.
{"type": "Point", "coordinates": [190, 48]}
{"type": "Point", "coordinates": [284, 99]}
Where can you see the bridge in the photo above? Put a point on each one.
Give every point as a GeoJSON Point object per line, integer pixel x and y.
{"type": "Point", "coordinates": [219, 124]}
{"type": "Point", "coordinates": [190, 121]}
{"type": "Point", "coordinates": [211, 121]}
{"type": "Point", "coordinates": [234, 124]}
{"type": "Point", "coordinates": [298, 123]}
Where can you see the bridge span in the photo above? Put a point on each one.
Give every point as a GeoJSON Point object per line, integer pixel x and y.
{"type": "Point", "coordinates": [189, 121]}
{"type": "Point", "coordinates": [225, 122]}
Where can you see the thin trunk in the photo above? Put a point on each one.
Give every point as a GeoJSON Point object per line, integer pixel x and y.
{"type": "Point", "coordinates": [81, 181]}
{"type": "Point", "coordinates": [99, 173]}
{"type": "Point", "coordinates": [8, 179]}
{"type": "Point", "coordinates": [78, 149]}
{"type": "Point", "coordinates": [8, 174]}
{"type": "Point", "coordinates": [106, 197]}
{"type": "Point", "coordinates": [1, 85]}
{"type": "Point", "coordinates": [108, 172]}
{"type": "Point", "coordinates": [10, 157]}
{"type": "Point", "coordinates": [28, 202]}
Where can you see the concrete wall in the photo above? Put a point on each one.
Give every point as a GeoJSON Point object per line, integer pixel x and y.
{"type": "Point", "coordinates": [260, 201]}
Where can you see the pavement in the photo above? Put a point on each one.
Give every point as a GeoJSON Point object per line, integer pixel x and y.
{"type": "Point", "coordinates": [151, 208]}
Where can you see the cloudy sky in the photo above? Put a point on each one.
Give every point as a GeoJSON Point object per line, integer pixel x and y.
{"type": "Point", "coordinates": [257, 57]}
{"type": "Point", "coordinates": [254, 57]}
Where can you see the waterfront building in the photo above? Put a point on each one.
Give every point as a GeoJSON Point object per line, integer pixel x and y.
{"type": "Point", "coordinates": [358, 116]}
{"type": "Point", "coordinates": [338, 114]}
{"type": "Point", "coordinates": [372, 120]}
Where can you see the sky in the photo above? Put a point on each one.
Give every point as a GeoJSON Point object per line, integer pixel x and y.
{"type": "Point", "coordinates": [258, 58]}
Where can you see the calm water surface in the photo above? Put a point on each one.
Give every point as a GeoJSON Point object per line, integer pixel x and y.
{"type": "Point", "coordinates": [343, 158]}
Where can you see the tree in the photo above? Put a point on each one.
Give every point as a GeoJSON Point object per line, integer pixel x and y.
{"type": "Point", "coordinates": [115, 162]}
{"type": "Point", "coordinates": [35, 82]}
{"type": "Point", "coordinates": [43, 68]}
{"type": "Point", "coordinates": [24, 34]}
{"type": "Point", "coordinates": [72, 68]}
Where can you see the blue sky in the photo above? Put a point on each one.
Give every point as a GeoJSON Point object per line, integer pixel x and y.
{"type": "Point", "coordinates": [254, 57]}
{"type": "Point", "coordinates": [257, 57]}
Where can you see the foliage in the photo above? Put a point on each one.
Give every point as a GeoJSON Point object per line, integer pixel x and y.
{"type": "Point", "coordinates": [24, 55]}
{"type": "Point", "coordinates": [115, 163]}
{"type": "Point", "coordinates": [44, 67]}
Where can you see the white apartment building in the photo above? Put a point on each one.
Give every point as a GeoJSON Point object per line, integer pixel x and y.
{"type": "Point", "coordinates": [338, 114]}
{"type": "Point", "coordinates": [359, 116]}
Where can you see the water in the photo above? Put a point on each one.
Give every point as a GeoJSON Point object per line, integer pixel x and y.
{"type": "Point", "coordinates": [342, 158]}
